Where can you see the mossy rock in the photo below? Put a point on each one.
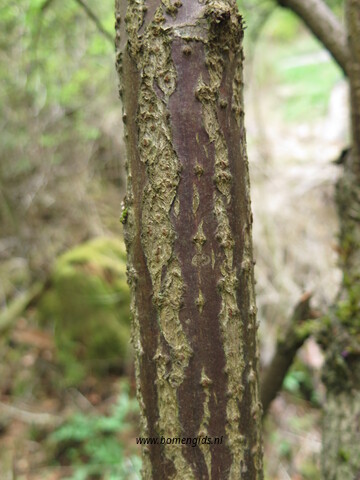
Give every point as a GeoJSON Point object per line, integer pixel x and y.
{"type": "Point", "coordinates": [88, 303]}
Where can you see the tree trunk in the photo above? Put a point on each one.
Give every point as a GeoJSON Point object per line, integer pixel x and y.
{"type": "Point", "coordinates": [188, 234]}
{"type": "Point", "coordinates": [341, 432]}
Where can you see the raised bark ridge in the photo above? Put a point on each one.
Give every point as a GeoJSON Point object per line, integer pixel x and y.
{"type": "Point", "coordinates": [188, 236]}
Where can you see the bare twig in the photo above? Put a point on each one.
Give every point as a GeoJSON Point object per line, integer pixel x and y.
{"type": "Point", "coordinates": [321, 21]}
{"type": "Point", "coordinates": [19, 305]}
{"type": "Point", "coordinates": [46, 5]}
{"type": "Point", "coordinates": [95, 19]}
{"type": "Point", "coordinates": [300, 327]}
{"type": "Point", "coordinates": [45, 420]}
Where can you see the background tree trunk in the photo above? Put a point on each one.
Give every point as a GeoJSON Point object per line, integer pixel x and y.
{"type": "Point", "coordinates": [188, 235]}
{"type": "Point", "coordinates": [341, 432]}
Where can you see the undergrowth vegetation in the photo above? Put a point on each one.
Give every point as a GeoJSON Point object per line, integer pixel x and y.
{"type": "Point", "coordinates": [95, 445]}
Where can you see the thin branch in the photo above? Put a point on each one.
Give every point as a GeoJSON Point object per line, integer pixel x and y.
{"type": "Point", "coordinates": [18, 306]}
{"type": "Point", "coordinates": [96, 21]}
{"type": "Point", "coordinates": [322, 22]}
{"type": "Point", "coordinates": [300, 327]}
{"type": "Point", "coordinates": [44, 420]}
{"type": "Point", "coordinates": [46, 5]}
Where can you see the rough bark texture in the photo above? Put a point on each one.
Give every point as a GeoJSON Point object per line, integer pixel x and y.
{"type": "Point", "coordinates": [188, 235]}
{"type": "Point", "coordinates": [321, 21]}
{"type": "Point", "coordinates": [341, 433]}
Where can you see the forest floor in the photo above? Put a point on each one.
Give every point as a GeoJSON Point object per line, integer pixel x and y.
{"type": "Point", "coordinates": [51, 431]}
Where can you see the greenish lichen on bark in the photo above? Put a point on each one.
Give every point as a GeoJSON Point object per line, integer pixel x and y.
{"type": "Point", "coordinates": [158, 83]}
{"type": "Point", "coordinates": [197, 277]}
{"type": "Point", "coordinates": [196, 200]}
{"type": "Point", "coordinates": [135, 12]}
{"type": "Point", "coordinates": [204, 426]}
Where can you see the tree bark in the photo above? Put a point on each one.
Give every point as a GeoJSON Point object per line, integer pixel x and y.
{"type": "Point", "coordinates": [188, 234]}
{"type": "Point", "coordinates": [341, 432]}
{"type": "Point", "coordinates": [321, 21]}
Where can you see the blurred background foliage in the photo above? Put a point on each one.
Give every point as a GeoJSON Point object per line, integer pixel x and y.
{"type": "Point", "coordinates": [59, 121]}
{"type": "Point", "coordinates": [61, 185]}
